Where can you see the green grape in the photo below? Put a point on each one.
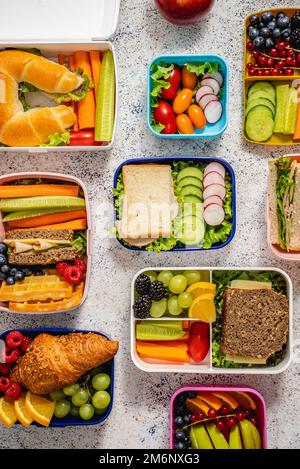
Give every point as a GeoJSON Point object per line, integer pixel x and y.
{"type": "Point", "coordinates": [62, 408]}
{"type": "Point", "coordinates": [185, 300]}
{"type": "Point", "coordinates": [192, 276]}
{"type": "Point", "coordinates": [151, 274]}
{"type": "Point", "coordinates": [178, 284]}
{"type": "Point", "coordinates": [158, 308]}
{"type": "Point", "coordinates": [165, 276]}
{"type": "Point", "coordinates": [173, 306]}
{"type": "Point", "coordinates": [80, 397]}
{"type": "Point", "coordinates": [71, 389]}
{"type": "Point", "coordinates": [101, 382]}
{"type": "Point", "coordinates": [57, 395]}
{"type": "Point", "coordinates": [74, 411]}
{"type": "Point", "coordinates": [101, 400]}
{"type": "Point", "coordinates": [86, 412]}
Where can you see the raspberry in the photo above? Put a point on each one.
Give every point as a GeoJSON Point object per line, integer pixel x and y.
{"type": "Point", "coordinates": [73, 275]}
{"type": "Point", "coordinates": [4, 384]}
{"type": "Point", "coordinates": [14, 392]}
{"type": "Point", "coordinates": [81, 264]}
{"type": "Point", "coordinates": [25, 344]}
{"type": "Point", "coordinates": [61, 267]}
{"type": "Point", "coordinates": [4, 368]}
{"type": "Point", "coordinates": [14, 339]}
{"type": "Point", "coordinates": [12, 356]}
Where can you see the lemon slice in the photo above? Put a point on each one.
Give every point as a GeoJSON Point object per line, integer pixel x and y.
{"type": "Point", "coordinates": [203, 308]}
{"type": "Point", "coordinates": [199, 288]}
{"type": "Point", "coordinates": [7, 412]}
{"type": "Point", "coordinates": [22, 413]}
{"type": "Point", "coordinates": [40, 408]}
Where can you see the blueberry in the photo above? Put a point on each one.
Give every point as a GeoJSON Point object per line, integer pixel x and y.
{"type": "Point", "coordinates": [281, 14]}
{"type": "Point", "coordinates": [27, 272]}
{"type": "Point", "coordinates": [270, 43]}
{"type": "Point", "coordinates": [179, 435]}
{"type": "Point", "coordinates": [265, 32]}
{"type": "Point", "coordinates": [10, 280]}
{"type": "Point", "coordinates": [254, 20]}
{"type": "Point", "coordinates": [13, 271]}
{"type": "Point", "coordinates": [5, 269]}
{"type": "Point", "coordinates": [192, 394]}
{"type": "Point", "coordinates": [276, 33]}
{"type": "Point", "coordinates": [285, 33]}
{"type": "Point", "coordinates": [253, 33]}
{"type": "Point", "coordinates": [186, 440]}
{"type": "Point", "coordinates": [179, 445]}
{"type": "Point", "coordinates": [283, 22]}
{"type": "Point", "coordinates": [267, 17]}
{"type": "Point", "coordinates": [2, 276]}
{"type": "Point", "coordinates": [271, 25]}
{"type": "Point", "coordinates": [261, 25]}
{"type": "Point", "coordinates": [178, 421]}
{"type": "Point", "coordinates": [259, 42]}
{"type": "Point", "coordinates": [19, 275]}
{"type": "Point", "coordinates": [180, 410]}
{"type": "Point", "coordinates": [3, 259]}
{"type": "Point", "coordinates": [3, 248]}
{"type": "Point", "coordinates": [186, 418]}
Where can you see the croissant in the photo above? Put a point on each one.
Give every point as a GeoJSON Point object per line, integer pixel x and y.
{"type": "Point", "coordinates": [53, 362]}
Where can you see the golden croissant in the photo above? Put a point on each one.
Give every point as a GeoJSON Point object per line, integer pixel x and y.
{"type": "Point", "coordinates": [53, 362]}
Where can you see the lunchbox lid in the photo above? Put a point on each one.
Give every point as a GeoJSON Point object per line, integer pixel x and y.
{"type": "Point", "coordinates": [58, 20]}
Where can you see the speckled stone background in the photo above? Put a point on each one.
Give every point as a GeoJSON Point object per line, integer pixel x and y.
{"type": "Point", "coordinates": [140, 414]}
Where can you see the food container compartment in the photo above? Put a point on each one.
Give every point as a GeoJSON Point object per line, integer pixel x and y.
{"type": "Point", "coordinates": [207, 367]}
{"type": "Point", "coordinates": [170, 161]}
{"type": "Point", "coordinates": [85, 32]}
{"type": "Point", "coordinates": [55, 177]}
{"type": "Point", "coordinates": [276, 250]}
{"type": "Point", "coordinates": [256, 396]}
{"type": "Point", "coordinates": [71, 421]}
{"type": "Point", "coordinates": [210, 131]}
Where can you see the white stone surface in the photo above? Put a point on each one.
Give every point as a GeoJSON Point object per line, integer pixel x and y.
{"type": "Point", "coordinates": [141, 410]}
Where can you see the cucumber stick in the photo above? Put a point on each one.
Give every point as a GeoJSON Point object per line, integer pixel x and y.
{"type": "Point", "coordinates": [105, 106]}
{"type": "Point", "coordinates": [291, 112]}
{"type": "Point", "coordinates": [34, 203]}
{"type": "Point", "coordinates": [22, 214]}
{"type": "Point", "coordinates": [282, 97]}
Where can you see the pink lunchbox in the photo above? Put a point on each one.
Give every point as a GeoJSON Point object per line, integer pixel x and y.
{"type": "Point", "coordinates": [55, 177]}
{"type": "Point", "coordinates": [256, 396]}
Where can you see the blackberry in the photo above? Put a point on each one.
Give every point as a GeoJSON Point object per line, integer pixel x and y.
{"type": "Point", "coordinates": [143, 284]}
{"type": "Point", "coordinates": [142, 306]}
{"type": "Point", "coordinates": [157, 291]}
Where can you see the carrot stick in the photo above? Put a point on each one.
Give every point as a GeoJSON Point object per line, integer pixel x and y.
{"type": "Point", "coordinates": [86, 107]}
{"type": "Point", "coordinates": [79, 224]}
{"type": "Point", "coordinates": [297, 128]}
{"type": "Point", "coordinates": [9, 192]}
{"type": "Point", "coordinates": [61, 59]}
{"type": "Point", "coordinates": [96, 69]}
{"type": "Point", "coordinates": [71, 64]}
{"type": "Point", "coordinates": [49, 219]}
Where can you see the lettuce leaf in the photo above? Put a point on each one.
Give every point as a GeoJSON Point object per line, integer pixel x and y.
{"type": "Point", "coordinates": [283, 184]}
{"type": "Point", "coordinates": [162, 244]}
{"type": "Point", "coordinates": [159, 77]}
{"type": "Point", "coordinates": [79, 242]}
{"type": "Point", "coordinates": [80, 93]}
{"type": "Point", "coordinates": [58, 139]}
{"type": "Point", "coordinates": [23, 89]}
{"type": "Point", "coordinates": [202, 68]}
{"type": "Point", "coordinates": [119, 192]}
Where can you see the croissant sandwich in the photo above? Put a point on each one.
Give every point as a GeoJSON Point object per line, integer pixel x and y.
{"type": "Point", "coordinates": [53, 362]}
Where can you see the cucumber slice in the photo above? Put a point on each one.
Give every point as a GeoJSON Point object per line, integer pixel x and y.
{"type": "Point", "coordinates": [262, 94]}
{"type": "Point", "coordinates": [190, 172]}
{"type": "Point", "coordinates": [282, 96]}
{"type": "Point", "coordinates": [191, 231]}
{"type": "Point", "coordinates": [291, 112]}
{"type": "Point", "coordinates": [154, 332]}
{"type": "Point", "coordinates": [105, 105]}
{"type": "Point", "coordinates": [30, 203]}
{"type": "Point", "coordinates": [174, 324]}
{"type": "Point", "coordinates": [252, 103]}
{"type": "Point", "coordinates": [192, 209]}
{"type": "Point", "coordinates": [34, 213]}
{"type": "Point", "coordinates": [191, 199]}
{"type": "Point", "coordinates": [190, 181]}
{"type": "Point", "coordinates": [260, 124]}
{"type": "Point", "coordinates": [191, 190]}
{"type": "Point", "coordinates": [262, 86]}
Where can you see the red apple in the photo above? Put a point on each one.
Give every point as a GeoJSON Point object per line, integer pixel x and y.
{"type": "Point", "coordinates": [184, 11]}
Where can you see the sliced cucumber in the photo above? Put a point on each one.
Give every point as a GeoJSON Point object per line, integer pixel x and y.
{"type": "Point", "coordinates": [291, 112]}
{"type": "Point", "coordinates": [174, 324]}
{"type": "Point", "coordinates": [12, 216]}
{"type": "Point", "coordinates": [191, 190]}
{"type": "Point", "coordinates": [253, 102]}
{"type": "Point", "coordinates": [282, 96]}
{"type": "Point", "coordinates": [262, 94]}
{"type": "Point", "coordinates": [262, 86]}
{"type": "Point", "coordinates": [30, 203]}
{"type": "Point", "coordinates": [191, 199]}
{"type": "Point", "coordinates": [190, 181]}
{"type": "Point", "coordinates": [154, 332]}
{"type": "Point", "coordinates": [192, 231]}
{"type": "Point", "coordinates": [260, 124]}
{"type": "Point", "coordinates": [194, 209]}
{"type": "Point", "coordinates": [191, 171]}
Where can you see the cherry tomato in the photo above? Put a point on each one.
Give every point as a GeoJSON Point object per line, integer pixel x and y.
{"type": "Point", "coordinates": [184, 124]}
{"type": "Point", "coordinates": [199, 341]}
{"type": "Point", "coordinates": [83, 138]}
{"type": "Point", "coordinates": [197, 116]}
{"type": "Point", "coordinates": [174, 80]}
{"type": "Point", "coordinates": [164, 114]}
{"type": "Point", "coordinates": [189, 79]}
{"type": "Point", "coordinates": [182, 101]}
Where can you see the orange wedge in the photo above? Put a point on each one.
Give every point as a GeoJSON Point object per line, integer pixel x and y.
{"type": "Point", "coordinates": [39, 408]}
{"type": "Point", "coordinates": [244, 399]}
{"type": "Point", "coordinates": [197, 405]}
{"type": "Point", "coordinates": [227, 398]}
{"type": "Point", "coordinates": [200, 288]}
{"type": "Point", "coordinates": [210, 399]}
{"type": "Point", "coordinates": [203, 308]}
{"type": "Point", "coordinates": [22, 413]}
{"type": "Point", "coordinates": [7, 412]}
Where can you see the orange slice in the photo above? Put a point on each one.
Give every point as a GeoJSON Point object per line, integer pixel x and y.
{"type": "Point", "coordinates": [7, 412]}
{"type": "Point", "coordinates": [203, 308]}
{"type": "Point", "coordinates": [22, 413]}
{"type": "Point", "coordinates": [39, 408]}
{"type": "Point", "coordinates": [199, 288]}
{"type": "Point", "coordinates": [227, 398]}
{"type": "Point", "coordinates": [210, 399]}
{"type": "Point", "coordinates": [197, 405]}
{"type": "Point", "coordinates": [244, 399]}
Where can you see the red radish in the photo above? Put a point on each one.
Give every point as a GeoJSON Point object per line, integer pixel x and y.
{"type": "Point", "coordinates": [214, 215]}
{"type": "Point", "coordinates": [213, 112]}
{"type": "Point", "coordinates": [214, 189]}
{"type": "Point", "coordinates": [203, 90]}
{"type": "Point", "coordinates": [214, 84]}
{"type": "Point", "coordinates": [217, 76]}
{"type": "Point", "coordinates": [206, 99]}
{"type": "Point", "coordinates": [214, 168]}
{"type": "Point", "coordinates": [213, 199]}
{"type": "Point", "coordinates": [213, 178]}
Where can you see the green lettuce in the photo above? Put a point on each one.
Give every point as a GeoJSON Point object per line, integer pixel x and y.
{"type": "Point", "coordinates": [160, 74]}
{"type": "Point", "coordinates": [119, 192]}
{"type": "Point", "coordinates": [23, 89]}
{"type": "Point", "coordinates": [162, 244]}
{"type": "Point", "coordinates": [80, 93]}
{"type": "Point", "coordinates": [202, 68]}
{"type": "Point", "coordinates": [284, 183]}
{"type": "Point", "coordinates": [79, 242]}
{"type": "Point", "coordinates": [58, 139]}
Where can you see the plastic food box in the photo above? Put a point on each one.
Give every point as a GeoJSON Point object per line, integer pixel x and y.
{"type": "Point", "coordinates": [276, 139]}
{"type": "Point", "coordinates": [206, 366]}
{"type": "Point", "coordinates": [71, 421]}
{"type": "Point", "coordinates": [170, 161]}
{"type": "Point", "coordinates": [56, 177]}
{"type": "Point", "coordinates": [276, 250]}
{"type": "Point", "coordinates": [257, 397]}
{"type": "Point", "coordinates": [86, 29]}
{"type": "Point", "coordinates": [210, 131]}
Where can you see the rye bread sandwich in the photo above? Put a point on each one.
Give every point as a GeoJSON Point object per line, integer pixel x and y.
{"type": "Point", "coordinates": [284, 203]}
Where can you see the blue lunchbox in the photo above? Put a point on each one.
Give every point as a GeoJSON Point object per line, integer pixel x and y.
{"type": "Point", "coordinates": [170, 161]}
{"type": "Point", "coordinates": [210, 131]}
{"type": "Point", "coordinates": [71, 421]}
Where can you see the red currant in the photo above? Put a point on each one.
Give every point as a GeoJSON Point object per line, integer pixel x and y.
{"type": "Point", "coordinates": [298, 57]}
{"type": "Point", "coordinates": [200, 416]}
{"type": "Point", "coordinates": [291, 53]}
{"type": "Point", "coordinates": [275, 72]}
{"type": "Point", "coordinates": [212, 413]}
{"type": "Point", "coordinates": [250, 46]}
{"type": "Point", "coordinates": [289, 72]}
{"type": "Point", "coordinates": [231, 422]}
{"type": "Point", "coordinates": [247, 414]}
{"type": "Point", "coordinates": [255, 54]}
{"type": "Point", "coordinates": [283, 54]}
{"type": "Point", "coordinates": [262, 60]}
{"type": "Point", "coordinates": [240, 416]}
{"type": "Point", "coordinates": [294, 63]}
{"type": "Point", "coordinates": [220, 425]}
{"type": "Point", "coordinates": [249, 65]}
{"type": "Point", "coordinates": [281, 73]}
{"type": "Point", "coordinates": [280, 64]}
{"type": "Point", "coordinates": [266, 73]}
{"type": "Point", "coordinates": [193, 419]}
{"type": "Point", "coordinates": [289, 61]}
{"type": "Point", "coordinates": [225, 410]}
{"type": "Point", "coordinates": [254, 421]}
{"type": "Point", "coordinates": [259, 73]}
{"type": "Point", "coordinates": [281, 46]}
{"type": "Point", "coordinates": [273, 52]}
{"type": "Point", "coordinates": [270, 63]}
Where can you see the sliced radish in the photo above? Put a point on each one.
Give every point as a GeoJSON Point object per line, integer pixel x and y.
{"type": "Point", "coordinates": [212, 83]}
{"type": "Point", "coordinates": [214, 189]}
{"type": "Point", "coordinates": [213, 199]}
{"type": "Point", "coordinates": [217, 76]}
{"type": "Point", "coordinates": [214, 215]}
{"type": "Point", "coordinates": [214, 168]}
{"type": "Point", "coordinates": [213, 112]}
{"type": "Point", "coordinates": [203, 90]}
{"type": "Point", "coordinates": [213, 178]}
{"type": "Point", "coordinates": [206, 99]}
